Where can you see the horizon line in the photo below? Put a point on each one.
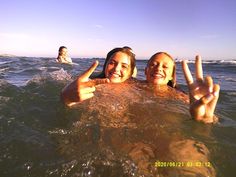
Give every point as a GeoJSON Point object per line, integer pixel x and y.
{"type": "Point", "coordinates": [99, 57]}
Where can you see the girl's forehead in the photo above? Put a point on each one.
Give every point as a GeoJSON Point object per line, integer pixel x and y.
{"type": "Point", "coordinates": [162, 58]}
{"type": "Point", "coordinates": [120, 57]}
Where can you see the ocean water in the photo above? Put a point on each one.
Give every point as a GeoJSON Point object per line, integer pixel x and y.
{"type": "Point", "coordinates": [124, 130]}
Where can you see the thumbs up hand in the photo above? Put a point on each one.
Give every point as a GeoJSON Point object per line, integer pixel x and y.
{"type": "Point", "coordinates": [82, 88]}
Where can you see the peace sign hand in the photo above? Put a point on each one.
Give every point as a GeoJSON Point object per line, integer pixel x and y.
{"type": "Point", "coordinates": [202, 92]}
{"type": "Point", "coordinates": [82, 88]}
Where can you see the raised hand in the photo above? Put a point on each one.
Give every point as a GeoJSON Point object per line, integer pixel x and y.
{"type": "Point", "coordinates": [203, 93]}
{"type": "Point", "coordinates": [82, 88]}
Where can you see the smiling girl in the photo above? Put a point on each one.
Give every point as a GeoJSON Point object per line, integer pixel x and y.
{"type": "Point", "coordinates": [203, 93]}
{"type": "Point", "coordinates": [118, 67]}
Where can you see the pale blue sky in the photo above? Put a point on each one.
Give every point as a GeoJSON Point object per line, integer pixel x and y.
{"type": "Point", "coordinates": [90, 28]}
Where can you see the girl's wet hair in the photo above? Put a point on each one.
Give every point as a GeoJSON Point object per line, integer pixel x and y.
{"type": "Point", "coordinates": [112, 52]}
{"type": "Point", "coordinates": [171, 83]}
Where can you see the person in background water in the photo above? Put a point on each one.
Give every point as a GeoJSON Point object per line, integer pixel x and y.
{"type": "Point", "coordinates": [63, 56]}
{"type": "Point", "coordinates": [118, 67]}
{"type": "Point", "coordinates": [203, 94]}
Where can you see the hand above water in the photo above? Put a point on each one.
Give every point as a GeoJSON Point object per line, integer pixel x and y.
{"type": "Point", "coordinates": [82, 88]}
{"type": "Point", "coordinates": [203, 93]}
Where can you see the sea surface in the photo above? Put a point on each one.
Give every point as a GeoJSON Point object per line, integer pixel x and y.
{"type": "Point", "coordinates": [122, 131]}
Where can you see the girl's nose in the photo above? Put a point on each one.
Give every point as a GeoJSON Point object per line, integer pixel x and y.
{"type": "Point", "coordinates": [118, 67]}
{"type": "Point", "coordinates": [159, 67]}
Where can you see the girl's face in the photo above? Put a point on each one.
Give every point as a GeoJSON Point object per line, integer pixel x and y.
{"type": "Point", "coordinates": [63, 52]}
{"type": "Point", "coordinates": [118, 68]}
{"type": "Point", "coordinates": [160, 70]}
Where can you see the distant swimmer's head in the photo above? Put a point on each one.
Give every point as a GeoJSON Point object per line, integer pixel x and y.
{"type": "Point", "coordinates": [119, 65]}
{"type": "Point", "coordinates": [63, 51]}
{"type": "Point", "coordinates": [160, 70]}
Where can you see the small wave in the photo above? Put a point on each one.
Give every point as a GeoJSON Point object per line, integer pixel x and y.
{"type": "Point", "coordinates": [211, 61]}
{"type": "Point", "coordinates": [228, 61]}
{"type": "Point", "coordinates": [227, 122]}
{"type": "Point", "coordinates": [75, 64]}
{"type": "Point", "coordinates": [2, 70]}
{"type": "Point", "coordinates": [230, 79]}
{"type": "Point", "coordinates": [4, 62]}
{"type": "Point", "coordinates": [60, 75]}
{"type": "Point", "coordinates": [7, 60]}
{"type": "Point", "coordinates": [43, 68]}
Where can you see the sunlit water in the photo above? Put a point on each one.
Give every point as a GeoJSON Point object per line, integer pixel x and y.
{"type": "Point", "coordinates": [125, 130]}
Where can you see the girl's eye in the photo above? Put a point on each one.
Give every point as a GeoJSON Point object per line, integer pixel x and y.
{"type": "Point", "coordinates": [152, 64]}
{"type": "Point", "coordinates": [165, 66]}
{"type": "Point", "coordinates": [111, 63]}
{"type": "Point", "coordinates": [125, 66]}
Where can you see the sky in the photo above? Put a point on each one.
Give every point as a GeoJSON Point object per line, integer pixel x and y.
{"type": "Point", "coordinates": [91, 28]}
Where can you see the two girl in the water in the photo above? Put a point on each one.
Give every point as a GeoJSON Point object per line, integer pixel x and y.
{"type": "Point", "coordinates": [160, 70]}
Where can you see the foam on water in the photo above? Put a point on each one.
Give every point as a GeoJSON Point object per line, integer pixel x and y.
{"type": "Point", "coordinates": [59, 75]}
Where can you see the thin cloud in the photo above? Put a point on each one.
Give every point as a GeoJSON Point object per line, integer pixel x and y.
{"type": "Point", "coordinates": [98, 26]}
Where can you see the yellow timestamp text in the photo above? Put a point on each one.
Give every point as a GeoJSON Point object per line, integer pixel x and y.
{"type": "Point", "coordinates": [182, 164]}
